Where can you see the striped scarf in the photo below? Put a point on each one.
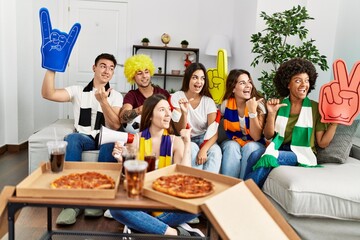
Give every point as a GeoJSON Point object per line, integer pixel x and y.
{"type": "Point", "coordinates": [232, 124]}
{"type": "Point", "coordinates": [86, 109]}
{"type": "Point", "coordinates": [300, 140]}
{"type": "Point", "coordinates": [165, 147]}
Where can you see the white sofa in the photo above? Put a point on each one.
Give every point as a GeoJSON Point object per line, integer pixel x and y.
{"type": "Point", "coordinates": [37, 143]}
{"type": "Point", "coordinates": [319, 203]}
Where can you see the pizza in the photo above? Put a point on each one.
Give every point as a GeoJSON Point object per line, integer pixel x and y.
{"type": "Point", "coordinates": [183, 186]}
{"type": "Point", "coordinates": [86, 180]}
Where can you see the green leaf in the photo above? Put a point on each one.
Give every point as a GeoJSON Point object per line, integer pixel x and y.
{"type": "Point", "coordinates": [270, 45]}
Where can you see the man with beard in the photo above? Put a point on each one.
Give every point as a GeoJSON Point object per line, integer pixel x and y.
{"type": "Point", "coordinates": [138, 69]}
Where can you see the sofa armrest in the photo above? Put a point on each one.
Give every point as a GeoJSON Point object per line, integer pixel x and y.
{"type": "Point", "coordinates": [38, 152]}
{"type": "Point", "coordinates": [355, 149]}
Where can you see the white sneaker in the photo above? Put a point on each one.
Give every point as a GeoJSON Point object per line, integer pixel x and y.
{"type": "Point", "coordinates": [190, 229]}
{"type": "Point", "coordinates": [194, 221]}
{"type": "Point", "coordinates": [107, 214]}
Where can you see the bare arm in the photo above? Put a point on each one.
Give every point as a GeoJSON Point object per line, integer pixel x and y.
{"type": "Point", "coordinates": [323, 138]}
{"type": "Point", "coordinates": [111, 114]}
{"type": "Point", "coordinates": [49, 92]}
{"type": "Point", "coordinates": [202, 154]}
{"type": "Point", "coordinates": [257, 123]}
{"type": "Point", "coordinates": [182, 122]}
{"type": "Point", "coordinates": [272, 106]}
{"type": "Point", "coordinates": [184, 104]}
{"type": "Point", "coordinates": [182, 148]}
{"type": "Point", "coordinates": [128, 113]}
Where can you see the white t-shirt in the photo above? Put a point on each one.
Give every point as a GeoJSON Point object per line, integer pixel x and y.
{"type": "Point", "coordinates": [197, 117]}
{"type": "Point", "coordinates": [115, 100]}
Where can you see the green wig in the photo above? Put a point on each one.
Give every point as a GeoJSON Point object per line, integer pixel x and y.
{"type": "Point", "coordinates": [137, 63]}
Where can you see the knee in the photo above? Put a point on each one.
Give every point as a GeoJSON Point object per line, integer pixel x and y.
{"type": "Point", "coordinates": [72, 137]}
{"type": "Point", "coordinates": [215, 152]}
{"type": "Point", "coordinates": [253, 146]}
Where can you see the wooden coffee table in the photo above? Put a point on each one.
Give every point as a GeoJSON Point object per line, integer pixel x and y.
{"type": "Point", "coordinates": [120, 202]}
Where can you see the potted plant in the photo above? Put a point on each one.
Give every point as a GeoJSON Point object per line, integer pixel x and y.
{"type": "Point", "coordinates": [145, 41]}
{"type": "Point", "coordinates": [184, 44]}
{"type": "Point", "coordinates": [271, 45]}
{"type": "Point", "coordinates": [159, 70]}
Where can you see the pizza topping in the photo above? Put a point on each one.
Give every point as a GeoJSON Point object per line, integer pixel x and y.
{"type": "Point", "coordinates": [183, 186]}
{"type": "Point", "coordinates": [87, 180]}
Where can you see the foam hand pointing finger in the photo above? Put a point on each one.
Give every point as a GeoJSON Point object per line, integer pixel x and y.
{"type": "Point", "coordinates": [217, 77]}
{"type": "Point", "coordinates": [339, 99]}
{"type": "Point", "coordinates": [56, 46]}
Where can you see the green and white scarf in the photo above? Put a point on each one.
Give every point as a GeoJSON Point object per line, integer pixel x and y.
{"type": "Point", "coordinates": [300, 140]}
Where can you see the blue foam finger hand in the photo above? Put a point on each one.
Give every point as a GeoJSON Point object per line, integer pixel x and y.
{"type": "Point", "coordinates": [56, 46]}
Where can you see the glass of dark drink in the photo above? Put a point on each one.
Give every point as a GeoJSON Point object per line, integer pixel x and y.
{"type": "Point", "coordinates": [57, 151]}
{"type": "Point", "coordinates": [129, 152]}
{"type": "Point", "coordinates": [150, 158]}
{"type": "Point", "coordinates": [135, 174]}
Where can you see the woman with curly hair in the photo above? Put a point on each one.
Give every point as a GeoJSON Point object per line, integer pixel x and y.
{"type": "Point", "coordinates": [292, 123]}
{"type": "Point", "coordinates": [243, 110]}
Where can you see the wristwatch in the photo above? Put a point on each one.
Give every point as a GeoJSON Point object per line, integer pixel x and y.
{"type": "Point", "coordinates": [252, 115]}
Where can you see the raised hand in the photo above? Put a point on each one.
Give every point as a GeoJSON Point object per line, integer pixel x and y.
{"type": "Point", "coordinates": [252, 104]}
{"type": "Point", "coordinates": [217, 77]}
{"type": "Point", "coordinates": [273, 105]}
{"type": "Point", "coordinates": [339, 99]}
{"type": "Point", "coordinates": [56, 46]}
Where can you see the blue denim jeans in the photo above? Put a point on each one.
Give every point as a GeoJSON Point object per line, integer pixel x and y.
{"type": "Point", "coordinates": [235, 157]}
{"type": "Point", "coordinates": [78, 142]}
{"type": "Point", "coordinates": [286, 157]}
{"type": "Point", "coordinates": [214, 155]}
{"type": "Point", "coordinates": [144, 222]}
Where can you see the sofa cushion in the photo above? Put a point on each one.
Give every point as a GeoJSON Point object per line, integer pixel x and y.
{"type": "Point", "coordinates": [340, 146]}
{"type": "Point", "coordinates": [330, 192]}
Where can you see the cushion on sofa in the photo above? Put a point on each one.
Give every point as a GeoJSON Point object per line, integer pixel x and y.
{"type": "Point", "coordinates": [340, 146]}
{"type": "Point", "coordinates": [330, 192]}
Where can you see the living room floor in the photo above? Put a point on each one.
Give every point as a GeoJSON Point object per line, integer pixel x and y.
{"type": "Point", "coordinates": [13, 169]}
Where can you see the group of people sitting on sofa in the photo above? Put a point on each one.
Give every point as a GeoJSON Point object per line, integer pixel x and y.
{"type": "Point", "coordinates": [262, 134]}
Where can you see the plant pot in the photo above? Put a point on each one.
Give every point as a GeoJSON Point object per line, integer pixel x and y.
{"type": "Point", "coordinates": [145, 44]}
{"type": "Point", "coordinates": [184, 46]}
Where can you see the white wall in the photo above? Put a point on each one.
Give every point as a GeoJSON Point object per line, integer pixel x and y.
{"type": "Point", "coordinates": [2, 84]}
{"type": "Point", "coordinates": [23, 111]}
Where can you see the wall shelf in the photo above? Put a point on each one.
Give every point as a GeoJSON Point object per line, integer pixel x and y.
{"type": "Point", "coordinates": [166, 50]}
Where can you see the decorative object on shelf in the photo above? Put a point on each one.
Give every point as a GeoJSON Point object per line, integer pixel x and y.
{"type": "Point", "coordinates": [175, 72]}
{"type": "Point", "coordinates": [165, 38]}
{"type": "Point", "coordinates": [188, 59]}
{"type": "Point", "coordinates": [166, 75]}
{"type": "Point", "coordinates": [145, 41]}
{"type": "Point", "coordinates": [159, 70]}
{"type": "Point", "coordinates": [279, 28]}
{"type": "Point", "coordinates": [184, 44]}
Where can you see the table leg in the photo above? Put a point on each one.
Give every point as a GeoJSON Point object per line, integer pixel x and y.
{"type": "Point", "coordinates": [49, 219]}
{"type": "Point", "coordinates": [12, 209]}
